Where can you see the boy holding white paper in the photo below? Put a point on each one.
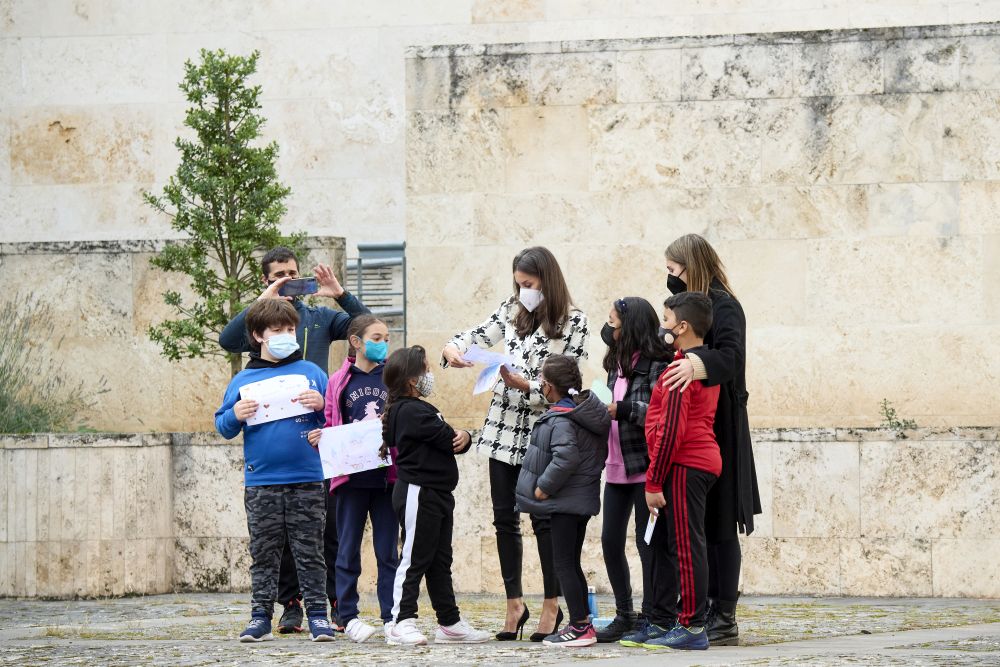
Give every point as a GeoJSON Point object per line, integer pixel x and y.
{"type": "Point", "coordinates": [283, 475]}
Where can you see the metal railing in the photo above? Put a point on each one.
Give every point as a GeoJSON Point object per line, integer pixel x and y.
{"type": "Point", "coordinates": [379, 274]}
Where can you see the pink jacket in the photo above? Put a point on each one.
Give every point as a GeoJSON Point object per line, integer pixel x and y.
{"type": "Point", "coordinates": [334, 388]}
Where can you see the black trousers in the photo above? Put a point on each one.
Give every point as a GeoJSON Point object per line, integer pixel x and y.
{"type": "Point", "coordinates": [680, 552]}
{"type": "Point", "coordinates": [507, 522]}
{"type": "Point", "coordinates": [288, 580]}
{"type": "Point", "coordinates": [619, 502]}
{"type": "Point", "coordinates": [568, 534]}
{"type": "Point", "coordinates": [427, 518]}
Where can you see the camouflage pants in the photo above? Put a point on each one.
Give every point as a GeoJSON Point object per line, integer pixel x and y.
{"type": "Point", "coordinates": [299, 510]}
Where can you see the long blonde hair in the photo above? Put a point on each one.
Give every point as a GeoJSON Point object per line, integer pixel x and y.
{"type": "Point", "coordinates": [701, 261]}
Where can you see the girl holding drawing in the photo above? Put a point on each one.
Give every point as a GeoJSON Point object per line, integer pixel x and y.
{"type": "Point", "coordinates": [355, 393]}
{"type": "Point", "coordinates": [537, 321]}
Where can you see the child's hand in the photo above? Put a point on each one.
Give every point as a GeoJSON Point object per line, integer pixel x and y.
{"type": "Point", "coordinates": [540, 495]}
{"type": "Point", "coordinates": [515, 380]}
{"type": "Point", "coordinates": [613, 409]}
{"type": "Point", "coordinates": [245, 409]}
{"type": "Point", "coordinates": [461, 441]}
{"type": "Point", "coordinates": [313, 436]}
{"type": "Point", "coordinates": [312, 399]}
{"type": "Point", "coordinates": [654, 501]}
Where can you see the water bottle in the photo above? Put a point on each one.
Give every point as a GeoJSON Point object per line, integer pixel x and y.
{"type": "Point", "coordinates": [592, 602]}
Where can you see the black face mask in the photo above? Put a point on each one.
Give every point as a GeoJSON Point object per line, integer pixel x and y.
{"type": "Point", "coordinates": [608, 334]}
{"type": "Point", "coordinates": [675, 284]}
{"type": "Point", "coordinates": [668, 337]}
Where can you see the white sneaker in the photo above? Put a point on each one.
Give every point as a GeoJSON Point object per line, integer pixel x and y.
{"type": "Point", "coordinates": [460, 633]}
{"type": "Point", "coordinates": [405, 633]}
{"type": "Point", "coordinates": [358, 630]}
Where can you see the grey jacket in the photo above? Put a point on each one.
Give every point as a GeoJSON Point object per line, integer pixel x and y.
{"type": "Point", "coordinates": [565, 460]}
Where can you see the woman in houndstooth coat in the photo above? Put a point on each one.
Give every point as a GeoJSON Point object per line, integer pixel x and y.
{"type": "Point", "coordinates": [538, 321]}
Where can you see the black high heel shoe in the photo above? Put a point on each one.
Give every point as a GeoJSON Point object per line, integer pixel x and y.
{"type": "Point", "coordinates": [540, 636]}
{"type": "Point", "coordinates": [519, 632]}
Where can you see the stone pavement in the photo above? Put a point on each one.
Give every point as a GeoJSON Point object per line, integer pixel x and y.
{"type": "Point", "coordinates": [200, 629]}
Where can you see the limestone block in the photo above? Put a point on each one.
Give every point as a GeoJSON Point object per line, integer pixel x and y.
{"type": "Point", "coordinates": [344, 141]}
{"type": "Point", "coordinates": [764, 465]}
{"type": "Point", "coordinates": [53, 145]}
{"type": "Point", "coordinates": [65, 17]}
{"type": "Point", "coordinates": [922, 65]}
{"type": "Point", "coordinates": [648, 76]}
{"type": "Point", "coordinates": [474, 512]}
{"type": "Point", "coordinates": [966, 568]}
{"type": "Point", "coordinates": [786, 212]}
{"type": "Point", "coordinates": [209, 510]}
{"type": "Point", "coordinates": [779, 300]}
{"type": "Point", "coordinates": [5, 176]}
{"type": "Point", "coordinates": [816, 489]}
{"type": "Point", "coordinates": [6, 479]}
{"type": "Point", "coordinates": [914, 209]}
{"type": "Point", "coordinates": [488, 81]}
{"type": "Point", "coordinates": [65, 71]}
{"type": "Point", "coordinates": [777, 388]}
{"type": "Point", "coordinates": [739, 72]}
{"type": "Point", "coordinates": [17, 508]}
{"type": "Point", "coordinates": [979, 63]}
{"type": "Point", "coordinates": [549, 149]}
{"type": "Point", "coordinates": [991, 278]}
{"type": "Point", "coordinates": [491, 11]}
{"type": "Point", "coordinates": [865, 139]}
{"type": "Point", "coordinates": [440, 220]}
{"type": "Point", "coordinates": [428, 83]}
{"type": "Point", "coordinates": [6, 568]}
{"type": "Point", "coordinates": [886, 567]}
{"type": "Point", "coordinates": [797, 566]}
{"type": "Point", "coordinates": [977, 202]}
{"type": "Point", "coordinates": [459, 151]}
{"type": "Point", "coordinates": [971, 135]}
{"type": "Point", "coordinates": [211, 564]}
{"type": "Point", "coordinates": [549, 219]}
{"type": "Point", "coordinates": [840, 68]}
{"type": "Point", "coordinates": [468, 564]}
{"type": "Point", "coordinates": [686, 145]}
{"type": "Point", "coordinates": [573, 78]}
{"type": "Point", "coordinates": [952, 290]}
{"type": "Point", "coordinates": [930, 490]}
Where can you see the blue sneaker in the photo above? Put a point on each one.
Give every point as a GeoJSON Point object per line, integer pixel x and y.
{"type": "Point", "coordinates": [642, 634]}
{"type": "Point", "coordinates": [681, 638]}
{"type": "Point", "coordinates": [259, 630]}
{"type": "Point", "coordinates": [320, 629]}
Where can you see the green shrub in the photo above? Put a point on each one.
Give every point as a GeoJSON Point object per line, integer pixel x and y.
{"type": "Point", "coordinates": [35, 395]}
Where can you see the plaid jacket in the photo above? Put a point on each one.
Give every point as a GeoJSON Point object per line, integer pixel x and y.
{"type": "Point", "coordinates": [507, 430]}
{"type": "Point", "coordinates": [632, 413]}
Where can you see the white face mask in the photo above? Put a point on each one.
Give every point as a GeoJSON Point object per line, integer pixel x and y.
{"type": "Point", "coordinates": [530, 298]}
{"type": "Point", "coordinates": [425, 385]}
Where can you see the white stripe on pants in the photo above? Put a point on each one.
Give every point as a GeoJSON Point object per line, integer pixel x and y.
{"type": "Point", "coordinates": [409, 528]}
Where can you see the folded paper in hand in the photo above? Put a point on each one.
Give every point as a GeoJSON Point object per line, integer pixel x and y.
{"type": "Point", "coordinates": [650, 526]}
{"type": "Point", "coordinates": [277, 398]}
{"type": "Point", "coordinates": [494, 361]}
{"type": "Point", "coordinates": [351, 448]}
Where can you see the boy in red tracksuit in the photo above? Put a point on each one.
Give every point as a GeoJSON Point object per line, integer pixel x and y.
{"type": "Point", "coordinates": [684, 463]}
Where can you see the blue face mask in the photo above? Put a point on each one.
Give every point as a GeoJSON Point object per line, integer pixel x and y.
{"type": "Point", "coordinates": [281, 345]}
{"type": "Point", "coordinates": [376, 352]}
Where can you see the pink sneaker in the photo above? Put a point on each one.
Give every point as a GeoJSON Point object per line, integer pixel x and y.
{"type": "Point", "coordinates": [573, 636]}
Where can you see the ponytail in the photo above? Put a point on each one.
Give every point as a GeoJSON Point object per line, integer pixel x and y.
{"type": "Point", "coordinates": [402, 366]}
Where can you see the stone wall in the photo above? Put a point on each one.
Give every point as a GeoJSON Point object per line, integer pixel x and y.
{"type": "Point", "coordinates": [846, 512]}
{"type": "Point", "coordinates": [89, 105]}
{"type": "Point", "coordinates": [103, 296]}
{"type": "Point", "coordinates": [848, 179]}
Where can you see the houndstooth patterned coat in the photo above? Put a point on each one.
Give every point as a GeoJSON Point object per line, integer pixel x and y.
{"type": "Point", "coordinates": [507, 431]}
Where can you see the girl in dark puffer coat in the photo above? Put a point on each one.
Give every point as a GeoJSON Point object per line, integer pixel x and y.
{"type": "Point", "coordinates": [561, 478]}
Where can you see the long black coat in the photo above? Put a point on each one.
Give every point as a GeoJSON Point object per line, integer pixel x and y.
{"type": "Point", "coordinates": [734, 499]}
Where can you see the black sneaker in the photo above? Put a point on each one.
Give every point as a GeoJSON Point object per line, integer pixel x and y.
{"type": "Point", "coordinates": [335, 622]}
{"type": "Point", "coordinates": [291, 620]}
{"type": "Point", "coordinates": [616, 629]}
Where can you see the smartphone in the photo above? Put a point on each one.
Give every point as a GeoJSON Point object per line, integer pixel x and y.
{"type": "Point", "coordinates": [299, 287]}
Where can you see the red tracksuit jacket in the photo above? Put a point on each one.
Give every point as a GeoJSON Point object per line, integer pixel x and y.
{"type": "Point", "coordinates": [680, 431]}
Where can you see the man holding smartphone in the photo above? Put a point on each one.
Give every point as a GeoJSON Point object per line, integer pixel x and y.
{"type": "Point", "coordinates": [318, 327]}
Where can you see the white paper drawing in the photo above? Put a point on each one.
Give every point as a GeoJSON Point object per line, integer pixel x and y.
{"type": "Point", "coordinates": [494, 361]}
{"type": "Point", "coordinates": [277, 398]}
{"type": "Point", "coordinates": [351, 448]}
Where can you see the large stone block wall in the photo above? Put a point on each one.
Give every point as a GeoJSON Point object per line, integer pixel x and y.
{"type": "Point", "coordinates": [846, 512]}
{"type": "Point", "coordinates": [103, 296]}
{"type": "Point", "coordinates": [848, 179]}
{"type": "Point", "coordinates": [89, 105]}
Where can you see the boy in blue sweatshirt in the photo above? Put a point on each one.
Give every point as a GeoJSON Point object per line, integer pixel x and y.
{"type": "Point", "coordinates": [283, 476]}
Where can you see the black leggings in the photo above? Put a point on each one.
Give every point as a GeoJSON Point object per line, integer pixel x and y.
{"type": "Point", "coordinates": [568, 533]}
{"type": "Point", "coordinates": [724, 561]}
{"type": "Point", "coordinates": [507, 521]}
{"type": "Point", "coordinates": [619, 501]}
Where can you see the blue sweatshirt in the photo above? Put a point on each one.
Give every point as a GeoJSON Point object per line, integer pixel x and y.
{"type": "Point", "coordinates": [318, 327]}
{"type": "Point", "coordinates": [364, 398]}
{"type": "Point", "coordinates": [275, 452]}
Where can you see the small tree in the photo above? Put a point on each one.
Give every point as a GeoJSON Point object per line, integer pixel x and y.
{"type": "Point", "coordinates": [226, 198]}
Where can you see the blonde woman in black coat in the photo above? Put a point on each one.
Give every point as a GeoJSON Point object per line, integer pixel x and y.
{"type": "Point", "coordinates": [693, 265]}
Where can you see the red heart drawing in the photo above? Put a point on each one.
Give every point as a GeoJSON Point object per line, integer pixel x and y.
{"type": "Point", "coordinates": [294, 400]}
{"type": "Point", "coordinates": [267, 405]}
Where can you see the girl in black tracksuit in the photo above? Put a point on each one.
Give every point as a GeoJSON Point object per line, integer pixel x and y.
{"type": "Point", "coordinates": [423, 499]}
